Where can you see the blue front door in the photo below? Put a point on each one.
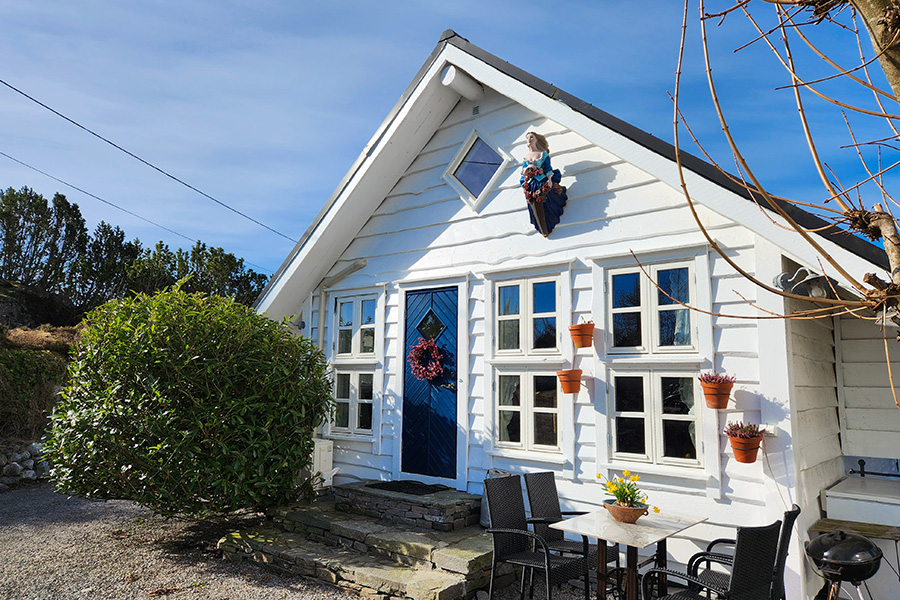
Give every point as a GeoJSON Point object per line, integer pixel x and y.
{"type": "Point", "coordinates": [429, 403]}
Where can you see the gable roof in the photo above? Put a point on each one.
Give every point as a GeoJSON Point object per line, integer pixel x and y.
{"type": "Point", "coordinates": [416, 115]}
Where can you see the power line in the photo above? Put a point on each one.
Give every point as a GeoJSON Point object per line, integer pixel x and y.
{"type": "Point", "coordinates": [116, 206]}
{"type": "Point", "coordinates": [138, 158]}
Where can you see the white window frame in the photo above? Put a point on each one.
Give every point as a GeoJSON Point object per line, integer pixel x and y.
{"type": "Point", "coordinates": [650, 308]}
{"type": "Point", "coordinates": [653, 417]}
{"type": "Point", "coordinates": [356, 328]}
{"type": "Point", "coordinates": [527, 410]}
{"type": "Point", "coordinates": [354, 401]}
{"type": "Point", "coordinates": [356, 362]}
{"type": "Point", "coordinates": [475, 202]}
{"type": "Point", "coordinates": [526, 317]}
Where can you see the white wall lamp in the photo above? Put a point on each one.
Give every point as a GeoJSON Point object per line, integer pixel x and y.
{"type": "Point", "coordinates": [805, 283]}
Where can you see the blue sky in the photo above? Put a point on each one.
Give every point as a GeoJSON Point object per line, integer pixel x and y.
{"type": "Point", "coordinates": [265, 105]}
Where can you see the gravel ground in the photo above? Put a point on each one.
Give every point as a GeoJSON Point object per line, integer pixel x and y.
{"type": "Point", "coordinates": [61, 548]}
{"type": "Point", "coordinates": [58, 548]}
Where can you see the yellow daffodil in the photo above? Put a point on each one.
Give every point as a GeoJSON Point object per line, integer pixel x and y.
{"type": "Point", "coordinates": [656, 509]}
{"type": "Point", "coordinates": [635, 477]}
{"type": "Point", "coordinates": [599, 476]}
{"type": "Point", "coordinates": [613, 488]}
{"type": "Point", "coordinates": [626, 473]}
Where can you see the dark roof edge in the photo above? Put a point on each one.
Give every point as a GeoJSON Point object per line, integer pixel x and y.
{"type": "Point", "coordinates": [835, 234]}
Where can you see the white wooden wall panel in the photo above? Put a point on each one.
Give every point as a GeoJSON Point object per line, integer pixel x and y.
{"type": "Point", "coordinates": [422, 231]}
{"type": "Point", "coordinates": [870, 419]}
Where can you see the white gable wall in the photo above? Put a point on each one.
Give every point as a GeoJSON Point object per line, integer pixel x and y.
{"type": "Point", "coordinates": [423, 235]}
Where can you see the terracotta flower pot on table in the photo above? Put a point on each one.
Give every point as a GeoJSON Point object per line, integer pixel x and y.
{"type": "Point", "coordinates": [625, 514]}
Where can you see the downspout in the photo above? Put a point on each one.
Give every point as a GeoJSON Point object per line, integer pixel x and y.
{"type": "Point", "coordinates": [323, 289]}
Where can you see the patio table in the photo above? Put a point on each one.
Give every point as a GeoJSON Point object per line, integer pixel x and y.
{"type": "Point", "coordinates": [653, 528]}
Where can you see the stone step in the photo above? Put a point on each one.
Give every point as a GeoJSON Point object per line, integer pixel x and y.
{"type": "Point", "coordinates": [466, 551]}
{"type": "Point", "coordinates": [373, 576]}
{"type": "Point", "coordinates": [378, 558]}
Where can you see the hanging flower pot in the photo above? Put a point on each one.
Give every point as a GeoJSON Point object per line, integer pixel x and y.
{"type": "Point", "coordinates": [745, 440]}
{"type": "Point", "coordinates": [582, 334]}
{"type": "Point", "coordinates": [716, 389]}
{"type": "Point", "coordinates": [569, 380]}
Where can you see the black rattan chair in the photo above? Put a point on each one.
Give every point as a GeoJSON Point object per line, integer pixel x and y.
{"type": "Point", "coordinates": [545, 509]}
{"type": "Point", "coordinates": [716, 553]}
{"type": "Point", "coordinates": [514, 544]}
{"type": "Point", "coordinates": [755, 553]}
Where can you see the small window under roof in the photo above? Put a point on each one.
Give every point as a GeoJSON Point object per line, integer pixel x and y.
{"type": "Point", "coordinates": [475, 168]}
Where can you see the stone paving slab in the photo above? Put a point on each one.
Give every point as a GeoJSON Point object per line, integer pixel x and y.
{"type": "Point", "coordinates": [343, 566]}
{"type": "Point", "coordinates": [378, 558]}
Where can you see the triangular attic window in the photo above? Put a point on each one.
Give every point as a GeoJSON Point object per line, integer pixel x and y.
{"type": "Point", "coordinates": [476, 168]}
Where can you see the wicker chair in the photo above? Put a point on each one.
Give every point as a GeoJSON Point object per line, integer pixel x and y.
{"type": "Point", "coordinates": [545, 509]}
{"type": "Point", "coordinates": [714, 554]}
{"type": "Point", "coordinates": [514, 544]}
{"type": "Point", "coordinates": [755, 553]}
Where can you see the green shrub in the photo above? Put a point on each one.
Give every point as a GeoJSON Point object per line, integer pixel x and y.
{"type": "Point", "coordinates": [188, 403]}
{"type": "Point", "coordinates": [29, 380]}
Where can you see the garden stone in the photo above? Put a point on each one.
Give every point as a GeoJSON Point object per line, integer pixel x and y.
{"type": "Point", "coordinates": [3, 460]}
{"type": "Point", "coordinates": [17, 456]}
{"type": "Point", "coordinates": [13, 469]}
{"type": "Point", "coordinates": [9, 480]}
{"type": "Point", "coordinates": [43, 468]}
{"type": "Point", "coordinates": [27, 464]}
{"type": "Point", "coordinates": [36, 449]}
{"type": "Point", "coordinates": [29, 475]}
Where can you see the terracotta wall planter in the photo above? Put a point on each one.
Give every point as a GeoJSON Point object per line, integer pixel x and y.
{"type": "Point", "coordinates": [716, 394]}
{"type": "Point", "coordinates": [569, 380]}
{"type": "Point", "coordinates": [582, 335]}
{"type": "Point", "coordinates": [745, 449]}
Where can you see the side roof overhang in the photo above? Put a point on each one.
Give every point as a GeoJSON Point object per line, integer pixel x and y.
{"type": "Point", "coordinates": [426, 103]}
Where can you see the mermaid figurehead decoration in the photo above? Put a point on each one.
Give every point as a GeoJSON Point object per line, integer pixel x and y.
{"type": "Point", "coordinates": [545, 197]}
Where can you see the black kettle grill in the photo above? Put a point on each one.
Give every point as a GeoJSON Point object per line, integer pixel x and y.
{"type": "Point", "coordinates": [842, 556]}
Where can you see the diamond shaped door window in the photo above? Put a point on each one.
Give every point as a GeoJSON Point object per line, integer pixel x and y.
{"type": "Point", "coordinates": [430, 326]}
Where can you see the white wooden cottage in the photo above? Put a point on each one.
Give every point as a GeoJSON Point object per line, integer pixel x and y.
{"type": "Point", "coordinates": [412, 245]}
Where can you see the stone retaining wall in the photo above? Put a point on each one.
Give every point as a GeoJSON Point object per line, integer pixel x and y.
{"type": "Point", "coordinates": [436, 511]}
{"type": "Point", "coordinates": [20, 463]}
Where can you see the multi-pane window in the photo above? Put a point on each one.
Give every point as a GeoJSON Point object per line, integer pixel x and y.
{"type": "Point", "coordinates": [655, 417]}
{"type": "Point", "coordinates": [353, 394]}
{"type": "Point", "coordinates": [355, 326]}
{"type": "Point", "coordinates": [527, 415]}
{"type": "Point", "coordinates": [652, 318]}
{"type": "Point", "coordinates": [354, 363]}
{"type": "Point", "coordinates": [527, 317]}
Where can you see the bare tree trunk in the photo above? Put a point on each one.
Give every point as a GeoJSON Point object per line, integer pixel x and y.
{"type": "Point", "coordinates": [882, 18]}
{"type": "Point", "coordinates": [888, 227]}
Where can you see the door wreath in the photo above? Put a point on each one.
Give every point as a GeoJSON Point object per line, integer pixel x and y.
{"type": "Point", "coordinates": [425, 360]}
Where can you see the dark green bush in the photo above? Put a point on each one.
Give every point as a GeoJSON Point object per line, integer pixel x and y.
{"type": "Point", "coordinates": [188, 403]}
{"type": "Point", "coordinates": [29, 380]}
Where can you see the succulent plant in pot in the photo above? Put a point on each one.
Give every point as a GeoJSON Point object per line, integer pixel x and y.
{"type": "Point", "coordinates": [716, 388]}
{"type": "Point", "coordinates": [745, 440]}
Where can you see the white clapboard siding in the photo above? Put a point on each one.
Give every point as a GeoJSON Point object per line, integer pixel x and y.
{"type": "Point", "coordinates": [870, 419]}
{"type": "Point", "coordinates": [422, 233]}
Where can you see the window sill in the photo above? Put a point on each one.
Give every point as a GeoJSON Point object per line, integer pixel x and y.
{"type": "Point", "coordinates": [689, 473]}
{"type": "Point", "coordinates": [513, 361]}
{"type": "Point", "coordinates": [360, 363]}
{"type": "Point", "coordinates": [654, 359]}
{"type": "Point", "coordinates": [350, 437]}
{"type": "Point", "coordinates": [545, 457]}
